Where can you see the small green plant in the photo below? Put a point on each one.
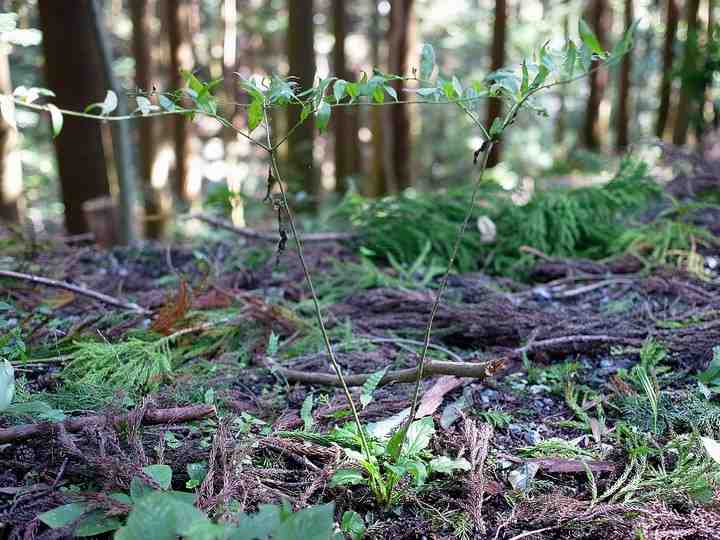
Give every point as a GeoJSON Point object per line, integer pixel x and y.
{"type": "Point", "coordinates": [382, 472]}
{"type": "Point", "coordinates": [153, 510]}
{"type": "Point", "coordinates": [385, 463]}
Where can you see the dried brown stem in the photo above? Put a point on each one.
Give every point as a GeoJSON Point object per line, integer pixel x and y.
{"type": "Point", "coordinates": [432, 367]}
{"type": "Point", "coordinates": [76, 289]}
{"type": "Point", "coordinates": [149, 418]}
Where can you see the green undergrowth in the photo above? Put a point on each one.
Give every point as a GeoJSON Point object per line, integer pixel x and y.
{"type": "Point", "coordinates": [594, 222]}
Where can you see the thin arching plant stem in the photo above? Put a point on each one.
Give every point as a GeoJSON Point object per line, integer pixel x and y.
{"type": "Point", "coordinates": [443, 286]}
{"type": "Point", "coordinates": [316, 302]}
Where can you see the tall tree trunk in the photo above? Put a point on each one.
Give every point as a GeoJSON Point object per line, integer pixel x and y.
{"type": "Point", "coordinates": [178, 15]}
{"type": "Point", "coordinates": [141, 13]}
{"type": "Point", "coordinates": [599, 15]}
{"type": "Point", "coordinates": [347, 157]}
{"type": "Point", "coordinates": [623, 114]}
{"type": "Point", "coordinates": [672, 14]}
{"type": "Point", "coordinates": [11, 184]}
{"type": "Point", "coordinates": [122, 149]}
{"type": "Point", "coordinates": [301, 61]}
{"type": "Point", "coordinates": [497, 60]}
{"type": "Point", "coordinates": [689, 84]}
{"type": "Point", "coordinates": [400, 16]}
{"type": "Point", "coordinates": [76, 83]}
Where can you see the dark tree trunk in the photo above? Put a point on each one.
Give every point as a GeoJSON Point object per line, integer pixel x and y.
{"type": "Point", "coordinates": [178, 16]}
{"type": "Point", "coordinates": [689, 86]}
{"type": "Point", "coordinates": [11, 201]}
{"type": "Point", "coordinates": [671, 23]}
{"type": "Point", "coordinates": [347, 157]}
{"type": "Point", "coordinates": [73, 70]}
{"type": "Point", "coordinates": [400, 16]}
{"type": "Point", "coordinates": [623, 114]}
{"type": "Point", "coordinates": [301, 60]}
{"type": "Point", "coordinates": [141, 12]}
{"type": "Point", "coordinates": [497, 60]}
{"type": "Point", "coordinates": [599, 20]}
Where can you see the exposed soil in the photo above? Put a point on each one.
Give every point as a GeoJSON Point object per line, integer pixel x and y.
{"type": "Point", "coordinates": [578, 328]}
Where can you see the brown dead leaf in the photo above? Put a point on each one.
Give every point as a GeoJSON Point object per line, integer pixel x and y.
{"type": "Point", "coordinates": [433, 398]}
{"type": "Point", "coordinates": [173, 311]}
{"type": "Point", "coordinates": [60, 299]}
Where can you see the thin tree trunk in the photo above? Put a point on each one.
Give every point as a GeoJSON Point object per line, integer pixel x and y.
{"type": "Point", "coordinates": [689, 85]}
{"type": "Point", "coordinates": [301, 60]}
{"type": "Point", "coordinates": [600, 23]}
{"type": "Point", "coordinates": [623, 115]}
{"type": "Point", "coordinates": [122, 149]}
{"type": "Point", "coordinates": [80, 156]}
{"type": "Point", "coordinates": [141, 12]}
{"type": "Point", "coordinates": [672, 14]}
{"type": "Point", "coordinates": [497, 60]}
{"type": "Point", "coordinates": [400, 16]}
{"type": "Point", "coordinates": [178, 14]}
{"type": "Point", "coordinates": [346, 150]}
{"type": "Point", "coordinates": [11, 184]}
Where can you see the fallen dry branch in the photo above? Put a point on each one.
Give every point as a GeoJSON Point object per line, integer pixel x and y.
{"type": "Point", "coordinates": [150, 417]}
{"type": "Point", "coordinates": [434, 367]}
{"type": "Point", "coordinates": [269, 236]}
{"type": "Point", "coordinates": [111, 301]}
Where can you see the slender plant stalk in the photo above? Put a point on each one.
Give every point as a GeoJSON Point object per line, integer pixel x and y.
{"type": "Point", "coordinates": [313, 294]}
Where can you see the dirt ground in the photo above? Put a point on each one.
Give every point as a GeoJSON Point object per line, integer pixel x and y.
{"type": "Point", "coordinates": [562, 439]}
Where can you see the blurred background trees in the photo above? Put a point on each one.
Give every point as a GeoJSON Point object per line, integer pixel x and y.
{"type": "Point", "coordinates": [667, 88]}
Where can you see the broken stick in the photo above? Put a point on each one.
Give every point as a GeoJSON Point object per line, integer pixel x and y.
{"type": "Point", "coordinates": [434, 367]}
{"type": "Point", "coordinates": [150, 418]}
{"type": "Point", "coordinates": [76, 289]}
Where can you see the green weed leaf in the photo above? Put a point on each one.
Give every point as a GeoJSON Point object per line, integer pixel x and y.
{"type": "Point", "coordinates": [447, 465]}
{"type": "Point", "coordinates": [161, 515]}
{"type": "Point", "coordinates": [92, 523]}
{"type": "Point", "coordinates": [418, 436]}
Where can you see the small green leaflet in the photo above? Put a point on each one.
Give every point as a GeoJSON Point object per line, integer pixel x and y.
{"type": "Point", "coordinates": [107, 106]}
{"type": "Point", "coordinates": [56, 118]}
{"type": "Point", "coordinates": [306, 412]}
{"type": "Point", "coordinates": [322, 116]}
{"type": "Point", "coordinates": [626, 43]}
{"type": "Point", "coordinates": [370, 386]}
{"type": "Point", "coordinates": [390, 90]}
{"type": "Point", "coordinates": [589, 38]}
{"type": "Point", "coordinates": [427, 61]}
{"type": "Point", "coordinates": [570, 59]}
{"type": "Point", "coordinates": [166, 103]}
{"type": "Point", "coordinates": [93, 523]}
{"type": "Point", "coordinates": [339, 89]}
{"type": "Point", "coordinates": [144, 105]}
{"type": "Point", "coordinates": [347, 477]}
{"type": "Point", "coordinates": [353, 525]}
{"type": "Point", "coordinates": [255, 113]}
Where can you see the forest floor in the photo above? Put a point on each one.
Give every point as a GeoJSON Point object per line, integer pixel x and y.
{"type": "Point", "coordinates": [585, 421]}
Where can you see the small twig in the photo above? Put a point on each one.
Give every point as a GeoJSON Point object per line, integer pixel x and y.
{"type": "Point", "coordinates": [432, 367]}
{"type": "Point", "coordinates": [551, 342]}
{"type": "Point", "coordinates": [76, 289]}
{"type": "Point", "coordinates": [150, 418]}
{"type": "Point", "coordinates": [270, 236]}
